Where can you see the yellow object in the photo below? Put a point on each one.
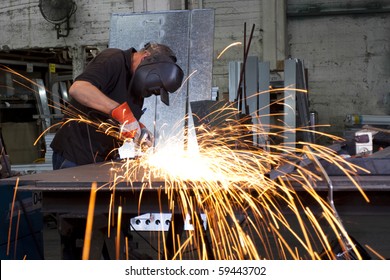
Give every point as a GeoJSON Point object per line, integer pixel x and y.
{"type": "Point", "coordinates": [52, 68]}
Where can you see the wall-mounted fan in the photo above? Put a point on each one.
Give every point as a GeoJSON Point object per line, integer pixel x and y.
{"type": "Point", "coordinates": [58, 12]}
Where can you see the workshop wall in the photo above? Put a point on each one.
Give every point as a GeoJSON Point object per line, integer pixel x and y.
{"type": "Point", "coordinates": [346, 48]}
{"type": "Point", "coordinates": [90, 27]}
{"type": "Point", "coordinates": [230, 17]}
{"type": "Point", "coordinates": [345, 51]}
{"type": "Point", "coordinates": [23, 26]}
{"type": "Point", "coordinates": [346, 54]}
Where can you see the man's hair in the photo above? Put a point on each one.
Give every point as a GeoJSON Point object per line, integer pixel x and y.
{"type": "Point", "coordinates": [157, 50]}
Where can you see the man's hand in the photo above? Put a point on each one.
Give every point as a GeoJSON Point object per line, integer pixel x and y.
{"type": "Point", "coordinates": [130, 127]}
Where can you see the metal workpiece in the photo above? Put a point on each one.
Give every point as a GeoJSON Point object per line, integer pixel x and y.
{"type": "Point", "coordinates": [42, 103]}
{"type": "Point", "coordinates": [261, 85]}
{"type": "Point", "coordinates": [160, 222]}
{"type": "Point", "coordinates": [107, 176]}
{"type": "Point", "coordinates": [290, 95]}
{"type": "Point", "coordinates": [110, 176]}
{"type": "Point", "coordinates": [189, 33]}
{"type": "Point", "coordinates": [264, 99]}
{"type": "Point", "coordinates": [234, 79]}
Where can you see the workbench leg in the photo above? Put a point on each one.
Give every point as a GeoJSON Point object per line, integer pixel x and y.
{"type": "Point", "coordinates": [174, 235]}
{"type": "Point", "coordinates": [175, 231]}
{"type": "Point", "coordinates": [203, 238]}
{"type": "Point", "coordinates": [71, 232]}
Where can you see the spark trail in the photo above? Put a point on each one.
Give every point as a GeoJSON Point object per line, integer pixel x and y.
{"type": "Point", "coordinates": [249, 215]}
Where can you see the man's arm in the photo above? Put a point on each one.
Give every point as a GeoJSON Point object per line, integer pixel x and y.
{"type": "Point", "coordinates": [89, 95]}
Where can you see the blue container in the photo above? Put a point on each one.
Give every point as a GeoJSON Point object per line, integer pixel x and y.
{"type": "Point", "coordinates": [21, 236]}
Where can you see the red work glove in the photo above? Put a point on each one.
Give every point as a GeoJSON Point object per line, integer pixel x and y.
{"type": "Point", "coordinates": [129, 125]}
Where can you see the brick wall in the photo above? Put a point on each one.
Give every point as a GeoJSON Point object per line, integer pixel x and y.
{"type": "Point", "coordinates": [230, 17]}
{"type": "Point", "coordinates": [346, 55]}
{"type": "Point", "coordinates": [23, 26]}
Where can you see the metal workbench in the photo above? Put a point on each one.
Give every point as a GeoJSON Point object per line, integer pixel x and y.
{"type": "Point", "coordinates": [67, 191]}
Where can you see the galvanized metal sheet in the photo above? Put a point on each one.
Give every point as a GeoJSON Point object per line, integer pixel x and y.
{"type": "Point", "coordinates": [264, 100]}
{"type": "Point", "coordinates": [251, 90]}
{"type": "Point", "coordinates": [161, 222]}
{"type": "Point", "coordinates": [290, 80]}
{"type": "Point", "coordinates": [201, 54]}
{"type": "Point", "coordinates": [190, 35]}
{"type": "Point", "coordinates": [234, 79]}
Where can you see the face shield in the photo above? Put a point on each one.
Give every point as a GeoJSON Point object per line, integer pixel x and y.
{"type": "Point", "coordinates": [157, 75]}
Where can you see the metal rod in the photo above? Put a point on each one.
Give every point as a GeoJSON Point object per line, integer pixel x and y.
{"type": "Point", "coordinates": [246, 51]}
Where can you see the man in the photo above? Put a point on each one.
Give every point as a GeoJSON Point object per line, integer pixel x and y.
{"type": "Point", "coordinates": [113, 86]}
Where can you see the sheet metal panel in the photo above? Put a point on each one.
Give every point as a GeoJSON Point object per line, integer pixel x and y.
{"type": "Point", "coordinates": [190, 35]}
{"type": "Point", "coordinates": [264, 99]}
{"type": "Point", "coordinates": [80, 178]}
{"type": "Point", "coordinates": [290, 81]}
{"type": "Point", "coordinates": [252, 89]}
{"type": "Point", "coordinates": [234, 79]}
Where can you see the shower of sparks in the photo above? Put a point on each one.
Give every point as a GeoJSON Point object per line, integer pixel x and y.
{"type": "Point", "coordinates": [248, 214]}
{"type": "Point", "coordinates": [226, 177]}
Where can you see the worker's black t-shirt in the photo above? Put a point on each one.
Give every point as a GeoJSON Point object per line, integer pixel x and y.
{"type": "Point", "coordinates": [82, 143]}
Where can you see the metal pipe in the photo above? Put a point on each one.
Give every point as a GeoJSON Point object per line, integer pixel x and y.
{"type": "Point", "coordinates": [239, 96]}
{"type": "Point", "coordinates": [367, 119]}
{"type": "Point", "coordinates": [310, 10]}
{"type": "Point", "coordinates": [345, 12]}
